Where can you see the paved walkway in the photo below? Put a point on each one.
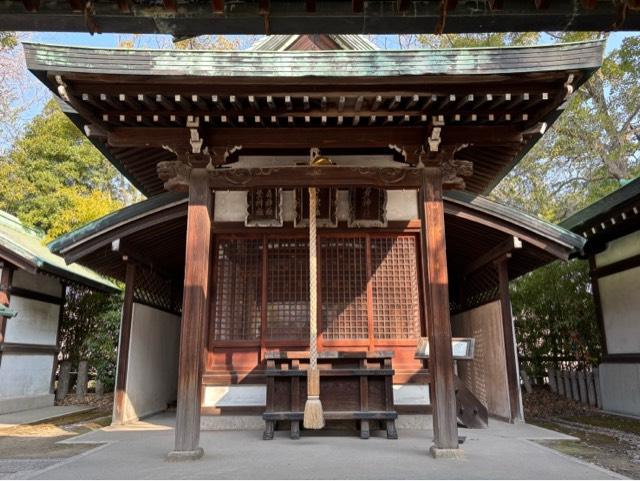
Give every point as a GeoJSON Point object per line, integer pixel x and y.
{"type": "Point", "coordinates": [503, 452]}
{"type": "Point", "coordinates": [38, 415]}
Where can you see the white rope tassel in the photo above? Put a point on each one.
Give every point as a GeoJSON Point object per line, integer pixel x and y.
{"type": "Point", "coordinates": [313, 415]}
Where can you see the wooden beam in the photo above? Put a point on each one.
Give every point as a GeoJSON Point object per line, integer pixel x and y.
{"type": "Point", "coordinates": [436, 304]}
{"type": "Point", "coordinates": [595, 286]}
{"type": "Point", "coordinates": [616, 267]}
{"type": "Point", "coordinates": [289, 17]}
{"type": "Point", "coordinates": [120, 396]}
{"type": "Point", "coordinates": [133, 255]}
{"type": "Point", "coordinates": [27, 348]}
{"type": "Point", "coordinates": [500, 250]}
{"type": "Point", "coordinates": [35, 295]}
{"type": "Point", "coordinates": [195, 316]}
{"type": "Point", "coordinates": [302, 138]}
{"type": "Point", "coordinates": [176, 175]}
{"type": "Point", "coordinates": [510, 349]}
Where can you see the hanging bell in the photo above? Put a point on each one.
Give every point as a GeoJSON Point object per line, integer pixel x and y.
{"type": "Point", "coordinates": [321, 160]}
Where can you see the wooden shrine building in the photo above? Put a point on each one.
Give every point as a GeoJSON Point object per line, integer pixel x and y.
{"type": "Point", "coordinates": [611, 226]}
{"type": "Point", "coordinates": [33, 288]}
{"type": "Point", "coordinates": [408, 247]}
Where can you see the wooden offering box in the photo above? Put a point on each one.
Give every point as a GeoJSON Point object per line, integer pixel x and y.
{"type": "Point", "coordinates": [354, 386]}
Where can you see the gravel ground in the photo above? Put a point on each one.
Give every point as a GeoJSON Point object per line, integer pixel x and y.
{"type": "Point", "coordinates": [29, 448]}
{"type": "Point", "coordinates": [105, 403]}
{"type": "Point", "coordinates": [612, 442]}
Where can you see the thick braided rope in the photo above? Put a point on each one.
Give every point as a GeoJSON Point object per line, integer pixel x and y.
{"type": "Point", "coordinates": [313, 281]}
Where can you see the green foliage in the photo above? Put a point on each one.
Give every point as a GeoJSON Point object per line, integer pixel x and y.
{"type": "Point", "coordinates": [10, 76]}
{"type": "Point", "coordinates": [8, 40]}
{"type": "Point", "coordinates": [591, 148]}
{"type": "Point", "coordinates": [89, 331]}
{"type": "Point", "coordinates": [55, 179]}
{"type": "Point", "coordinates": [478, 40]}
{"type": "Point", "coordinates": [555, 317]}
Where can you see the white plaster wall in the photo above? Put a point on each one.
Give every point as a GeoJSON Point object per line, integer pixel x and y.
{"type": "Point", "coordinates": [25, 379]}
{"type": "Point", "coordinates": [256, 395]}
{"type": "Point", "coordinates": [619, 249]}
{"type": "Point", "coordinates": [620, 300]}
{"type": "Point", "coordinates": [620, 388]}
{"type": "Point", "coordinates": [153, 362]}
{"type": "Point", "coordinates": [24, 375]}
{"type": "Point", "coordinates": [402, 204]}
{"type": "Point", "coordinates": [35, 323]}
{"type": "Point", "coordinates": [37, 282]}
{"type": "Point", "coordinates": [231, 206]}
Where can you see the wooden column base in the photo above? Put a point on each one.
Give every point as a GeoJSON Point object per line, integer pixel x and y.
{"type": "Point", "coordinates": [442, 453]}
{"type": "Point", "coordinates": [178, 456]}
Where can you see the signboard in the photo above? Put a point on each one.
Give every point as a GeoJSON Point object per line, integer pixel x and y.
{"type": "Point", "coordinates": [462, 348]}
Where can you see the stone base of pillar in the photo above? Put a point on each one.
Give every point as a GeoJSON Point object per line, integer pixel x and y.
{"type": "Point", "coordinates": [441, 453]}
{"type": "Point", "coordinates": [177, 456]}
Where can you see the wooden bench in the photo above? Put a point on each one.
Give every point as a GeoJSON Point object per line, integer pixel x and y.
{"type": "Point", "coordinates": [353, 386]}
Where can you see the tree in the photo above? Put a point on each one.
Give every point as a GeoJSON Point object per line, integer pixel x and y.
{"type": "Point", "coordinates": [555, 317]}
{"type": "Point", "coordinates": [10, 73]}
{"type": "Point", "coordinates": [89, 330]}
{"type": "Point", "coordinates": [56, 180]}
{"type": "Point", "coordinates": [591, 149]}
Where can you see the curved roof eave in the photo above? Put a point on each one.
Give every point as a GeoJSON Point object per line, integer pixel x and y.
{"type": "Point", "coordinates": [564, 240]}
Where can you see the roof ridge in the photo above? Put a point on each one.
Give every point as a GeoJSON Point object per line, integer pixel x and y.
{"type": "Point", "coordinates": [11, 221]}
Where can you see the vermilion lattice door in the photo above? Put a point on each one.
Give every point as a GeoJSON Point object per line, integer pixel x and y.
{"type": "Point", "coordinates": [368, 288]}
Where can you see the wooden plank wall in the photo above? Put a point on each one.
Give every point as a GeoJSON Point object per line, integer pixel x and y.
{"type": "Point", "coordinates": [486, 375]}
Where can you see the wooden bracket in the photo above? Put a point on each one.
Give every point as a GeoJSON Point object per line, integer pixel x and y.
{"type": "Point", "coordinates": [500, 251]}
{"type": "Point", "coordinates": [453, 171]}
{"type": "Point", "coordinates": [175, 174]}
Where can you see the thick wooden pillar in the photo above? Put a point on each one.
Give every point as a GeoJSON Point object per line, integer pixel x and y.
{"type": "Point", "coordinates": [5, 284]}
{"type": "Point", "coordinates": [436, 301]}
{"type": "Point", "coordinates": [120, 396]}
{"type": "Point", "coordinates": [194, 317]}
{"type": "Point", "coordinates": [54, 367]}
{"type": "Point", "coordinates": [510, 346]}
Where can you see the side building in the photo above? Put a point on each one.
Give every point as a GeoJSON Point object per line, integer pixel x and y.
{"type": "Point", "coordinates": [33, 283]}
{"type": "Point", "coordinates": [612, 228]}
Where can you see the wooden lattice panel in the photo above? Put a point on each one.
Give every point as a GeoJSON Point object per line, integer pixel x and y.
{"type": "Point", "coordinates": [367, 207]}
{"type": "Point", "coordinates": [481, 287]}
{"type": "Point", "coordinates": [288, 289]}
{"type": "Point", "coordinates": [264, 208]}
{"type": "Point", "coordinates": [344, 288]}
{"type": "Point", "coordinates": [326, 211]}
{"type": "Point", "coordinates": [238, 289]}
{"type": "Point", "coordinates": [395, 294]}
{"type": "Point", "coordinates": [152, 289]}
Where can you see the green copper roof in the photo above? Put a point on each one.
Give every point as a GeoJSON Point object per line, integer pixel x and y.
{"type": "Point", "coordinates": [554, 232]}
{"type": "Point", "coordinates": [582, 220]}
{"type": "Point", "coordinates": [327, 63]}
{"type": "Point", "coordinates": [6, 312]}
{"type": "Point", "coordinates": [25, 244]}
{"type": "Point", "coordinates": [122, 216]}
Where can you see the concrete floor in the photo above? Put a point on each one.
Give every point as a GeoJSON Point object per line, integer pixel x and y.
{"type": "Point", "coordinates": [501, 452]}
